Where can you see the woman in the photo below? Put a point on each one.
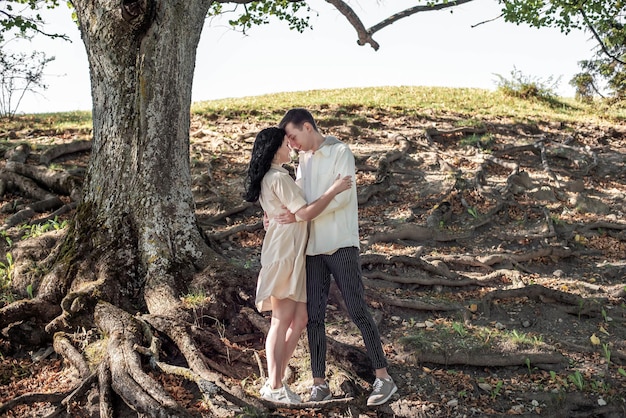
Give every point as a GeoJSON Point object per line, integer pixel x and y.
{"type": "Point", "coordinates": [281, 285]}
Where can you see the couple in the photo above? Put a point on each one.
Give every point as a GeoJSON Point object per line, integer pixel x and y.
{"type": "Point", "coordinates": [321, 222]}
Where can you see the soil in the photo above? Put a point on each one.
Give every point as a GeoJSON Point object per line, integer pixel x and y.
{"type": "Point", "coordinates": [494, 258]}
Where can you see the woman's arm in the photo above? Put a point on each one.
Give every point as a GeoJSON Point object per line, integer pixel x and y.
{"type": "Point", "coordinates": [313, 209]}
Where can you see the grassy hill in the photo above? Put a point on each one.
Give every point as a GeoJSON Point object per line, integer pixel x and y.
{"type": "Point", "coordinates": [493, 246]}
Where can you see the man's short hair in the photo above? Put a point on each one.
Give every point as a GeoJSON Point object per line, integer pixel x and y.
{"type": "Point", "coordinates": [297, 116]}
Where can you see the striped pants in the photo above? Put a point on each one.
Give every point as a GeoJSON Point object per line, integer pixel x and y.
{"type": "Point", "coordinates": [345, 268]}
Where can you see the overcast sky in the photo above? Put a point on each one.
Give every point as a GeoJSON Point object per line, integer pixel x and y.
{"type": "Point", "coordinates": [436, 48]}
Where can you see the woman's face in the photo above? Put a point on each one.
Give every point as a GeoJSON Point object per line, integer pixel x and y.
{"type": "Point", "coordinates": [282, 155]}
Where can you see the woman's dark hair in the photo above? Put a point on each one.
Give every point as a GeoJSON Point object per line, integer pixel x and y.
{"type": "Point", "coordinates": [297, 116]}
{"type": "Point", "coordinates": [266, 144]}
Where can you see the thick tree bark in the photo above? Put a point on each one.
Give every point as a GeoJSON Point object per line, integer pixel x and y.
{"type": "Point", "coordinates": [141, 57]}
{"type": "Point", "coordinates": [134, 245]}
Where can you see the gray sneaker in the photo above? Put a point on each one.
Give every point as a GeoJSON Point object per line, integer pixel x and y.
{"type": "Point", "coordinates": [383, 389]}
{"type": "Point", "coordinates": [292, 395]}
{"type": "Point", "coordinates": [320, 393]}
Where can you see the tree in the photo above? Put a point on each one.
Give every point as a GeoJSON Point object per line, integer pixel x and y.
{"type": "Point", "coordinates": [607, 66]}
{"type": "Point", "coordinates": [603, 19]}
{"type": "Point", "coordinates": [20, 74]}
{"type": "Point", "coordinates": [134, 246]}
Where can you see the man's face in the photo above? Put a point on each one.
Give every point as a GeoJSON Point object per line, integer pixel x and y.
{"type": "Point", "coordinates": [298, 138]}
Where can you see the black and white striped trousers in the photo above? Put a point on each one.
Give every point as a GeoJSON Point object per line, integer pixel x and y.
{"type": "Point", "coordinates": [345, 268]}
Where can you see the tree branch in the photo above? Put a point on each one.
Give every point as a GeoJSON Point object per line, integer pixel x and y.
{"type": "Point", "coordinates": [365, 35]}
{"type": "Point", "coordinates": [599, 39]}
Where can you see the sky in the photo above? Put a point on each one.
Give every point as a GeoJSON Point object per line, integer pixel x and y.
{"type": "Point", "coordinates": [437, 48]}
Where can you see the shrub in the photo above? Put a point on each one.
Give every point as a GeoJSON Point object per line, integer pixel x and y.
{"type": "Point", "coordinates": [528, 87]}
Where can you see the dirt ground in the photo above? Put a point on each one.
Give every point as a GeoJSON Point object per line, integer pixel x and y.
{"type": "Point", "coordinates": [494, 258]}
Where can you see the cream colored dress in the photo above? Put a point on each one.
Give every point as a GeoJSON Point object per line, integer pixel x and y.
{"type": "Point", "coordinates": [282, 272]}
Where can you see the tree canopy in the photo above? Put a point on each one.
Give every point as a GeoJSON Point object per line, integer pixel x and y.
{"type": "Point", "coordinates": [24, 16]}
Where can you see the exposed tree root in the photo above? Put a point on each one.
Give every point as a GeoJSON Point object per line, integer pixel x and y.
{"type": "Point", "coordinates": [424, 281]}
{"type": "Point", "coordinates": [61, 401]}
{"type": "Point", "coordinates": [24, 186]}
{"type": "Point", "coordinates": [61, 182]}
{"type": "Point", "coordinates": [493, 359]}
{"type": "Point", "coordinates": [421, 306]}
{"type": "Point", "coordinates": [70, 354]}
{"type": "Point", "coordinates": [579, 305]}
{"type": "Point", "coordinates": [13, 315]}
{"type": "Point", "coordinates": [235, 230]}
{"type": "Point", "coordinates": [64, 149]}
{"type": "Point", "coordinates": [371, 259]}
{"type": "Point", "coordinates": [179, 333]}
{"type": "Point", "coordinates": [28, 181]}
{"type": "Point", "coordinates": [383, 170]}
{"type": "Point", "coordinates": [19, 154]}
{"type": "Point", "coordinates": [552, 252]}
{"type": "Point", "coordinates": [417, 233]}
{"type": "Point", "coordinates": [26, 212]}
{"type": "Point", "coordinates": [30, 398]}
{"type": "Point", "coordinates": [128, 379]}
{"type": "Point", "coordinates": [205, 223]}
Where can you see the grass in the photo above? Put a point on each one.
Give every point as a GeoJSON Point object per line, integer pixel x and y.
{"type": "Point", "coordinates": [405, 101]}
{"type": "Point", "coordinates": [414, 101]}
{"type": "Point", "coordinates": [450, 336]}
{"type": "Point", "coordinates": [61, 121]}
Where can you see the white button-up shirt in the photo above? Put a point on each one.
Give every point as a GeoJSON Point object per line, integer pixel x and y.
{"type": "Point", "coordinates": [338, 225]}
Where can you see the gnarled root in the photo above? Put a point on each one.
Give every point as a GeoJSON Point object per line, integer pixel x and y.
{"type": "Point", "coordinates": [128, 380]}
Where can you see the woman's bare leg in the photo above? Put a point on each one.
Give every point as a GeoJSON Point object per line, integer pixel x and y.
{"type": "Point", "coordinates": [293, 333]}
{"type": "Point", "coordinates": [283, 312]}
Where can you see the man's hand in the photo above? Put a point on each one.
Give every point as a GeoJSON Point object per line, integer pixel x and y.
{"type": "Point", "coordinates": [285, 217]}
{"type": "Point", "coordinates": [266, 220]}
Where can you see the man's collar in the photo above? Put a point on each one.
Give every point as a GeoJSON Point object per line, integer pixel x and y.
{"type": "Point", "coordinates": [324, 148]}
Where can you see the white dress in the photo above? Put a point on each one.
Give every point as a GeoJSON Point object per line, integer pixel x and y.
{"type": "Point", "coordinates": [282, 272]}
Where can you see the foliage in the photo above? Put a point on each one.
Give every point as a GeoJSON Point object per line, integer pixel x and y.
{"type": "Point", "coordinates": [585, 85]}
{"type": "Point", "coordinates": [562, 14]}
{"type": "Point", "coordinates": [603, 69]}
{"type": "Point", "coordinates": [259, 13]}
{"type": "Point", "coordinates": [6, 276]}
{"type": "Point", "coordinates": [33, 231]}
{"type": "Point", "coordinates": [605, 21]}
{"type": "Point", "coordinates": [20, 74]}
{"type": "Point", "coordinates": [22, 17]}
{"type": "Point", "coordinates": [528, 87]}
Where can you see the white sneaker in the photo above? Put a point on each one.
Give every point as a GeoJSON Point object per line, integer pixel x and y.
{"type": "Point", "coordinates": [279, 395]}
{"type": "Point", "coordinates": [265, 389]}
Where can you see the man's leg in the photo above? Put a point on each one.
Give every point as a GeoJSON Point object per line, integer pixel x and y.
{"type": "Point", "coordinates": [345, 268]}
{"type": "Point", "coordinates": [317, 286]}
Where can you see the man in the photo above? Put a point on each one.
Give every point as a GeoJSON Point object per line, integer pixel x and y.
{"type": "Point", "coordinates": [333, 248]}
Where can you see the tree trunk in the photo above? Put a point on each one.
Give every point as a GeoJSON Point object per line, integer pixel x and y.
{"type": "Point", "coordinates": [135, 246]}
{"type": "Point", "coordinates": [138, 185]}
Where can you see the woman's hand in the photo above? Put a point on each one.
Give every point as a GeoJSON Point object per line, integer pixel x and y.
{"type": "Point", "coordinates": [341, 184]}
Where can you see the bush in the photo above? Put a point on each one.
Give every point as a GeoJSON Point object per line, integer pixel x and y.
{"type": "Point", "coordinates": [527, 87]}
